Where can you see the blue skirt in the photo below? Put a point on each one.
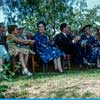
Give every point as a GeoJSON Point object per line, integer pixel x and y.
{"type": "Point", "coordinates": [49, 53]}
{"type": "Point", "coordinates": [95, 54]}
{"type": "Point", "coordinates": [3, 53]}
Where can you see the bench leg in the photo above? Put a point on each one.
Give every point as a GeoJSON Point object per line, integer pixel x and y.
{"type": "Point", "coordinates": [33, 64]}
{"type": "Point", "coordinates": [69, 64]}
{"type": "Point", "coordinates": [69, 61]}
{"type": "Point", "coordinates": [45, 67]}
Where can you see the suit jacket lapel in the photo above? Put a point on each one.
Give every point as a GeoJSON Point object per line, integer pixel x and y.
{"type": "Point", "coordinates": [64, 36]}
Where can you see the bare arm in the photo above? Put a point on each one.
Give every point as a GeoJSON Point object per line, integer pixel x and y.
{"type": "Point", "coordinates": [19, 40]}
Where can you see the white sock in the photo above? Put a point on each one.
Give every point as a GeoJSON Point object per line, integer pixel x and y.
{"type": "Point", "coordinates": [59, 64]}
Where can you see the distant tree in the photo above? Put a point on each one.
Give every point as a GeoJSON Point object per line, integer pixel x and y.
{"type": "Point", "coordinates": [53, 12]}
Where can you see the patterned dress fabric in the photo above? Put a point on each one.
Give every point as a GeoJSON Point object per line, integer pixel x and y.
{"type": "Point", "coordinates": [24, 48]}
{"type": "Point", "coordinates": [95, 52]}
{"type": "Point", "coordinates": [45, 49]}
{"type": "Point", "coordinates": [13, 47]}
{"type": "Point", "coordinates": [88, 41]}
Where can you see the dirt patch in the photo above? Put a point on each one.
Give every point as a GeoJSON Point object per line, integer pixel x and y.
{"type": "Point", "coordinates": [57, 88]}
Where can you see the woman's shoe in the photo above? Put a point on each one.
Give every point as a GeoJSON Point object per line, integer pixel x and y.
{"type": "Point", "coordinates": [26, 72]}
{"type": "Point", "coordinates": [29, 74]}
{"type": "Point", "coordinates": [61, 71]}
{"type": "Point", "coordinates": [86, 62]}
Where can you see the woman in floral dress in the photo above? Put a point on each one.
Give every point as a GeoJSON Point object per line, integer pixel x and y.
{"type": "Point", "coordinates": [45, 49]}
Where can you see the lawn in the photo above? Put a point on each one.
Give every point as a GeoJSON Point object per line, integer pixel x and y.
{"type": "Point", "coordinates": [70, 84]}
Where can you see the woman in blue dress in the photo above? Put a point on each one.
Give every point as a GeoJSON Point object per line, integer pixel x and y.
{"type": "Point", "coordinates": [86, 42]}
{"type": "Point", "coordinates": [3, 52]}
{"type": "Point", "coordinates": [95, 52]}
{"type": "Point", "coordinates": [45, 49]}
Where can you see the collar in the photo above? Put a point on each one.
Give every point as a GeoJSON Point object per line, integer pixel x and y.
{"type": "Point", "coordinates": [64, 34]}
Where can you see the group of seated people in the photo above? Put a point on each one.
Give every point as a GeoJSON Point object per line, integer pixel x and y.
{"type": "Point", "coordinates": [84, 48]}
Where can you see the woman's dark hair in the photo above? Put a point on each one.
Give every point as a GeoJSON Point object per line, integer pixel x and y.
{"type": "Point", "coordinates": [83, 29]}
{"type": "Point", "coordinates": [63, 25]}
{"type": "Point", "coordinates": [11, 28]}
{"type": "Point", "coordinates": [41, 22]}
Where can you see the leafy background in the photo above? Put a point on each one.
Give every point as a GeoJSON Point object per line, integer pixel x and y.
{"type": "Point", "coordinates": [28, 12]}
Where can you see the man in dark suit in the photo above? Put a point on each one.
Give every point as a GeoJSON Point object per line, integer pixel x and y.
{"type": "Point", "coordinates": [67, 43]}
{"type": "Point", "coordinates": [64, 39]}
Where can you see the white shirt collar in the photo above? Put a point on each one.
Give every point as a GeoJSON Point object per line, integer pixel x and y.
{"type": "Point", "coordinates": [64, 34]}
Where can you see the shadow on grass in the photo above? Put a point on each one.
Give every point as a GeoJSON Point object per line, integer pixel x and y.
{"type": "Point", "coordinates": [66, 92]}
{"type": "Point", "coordinates": [67, 73]}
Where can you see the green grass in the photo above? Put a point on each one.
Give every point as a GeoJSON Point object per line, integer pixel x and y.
{"type": "Point", "coordinates": [70, 84]}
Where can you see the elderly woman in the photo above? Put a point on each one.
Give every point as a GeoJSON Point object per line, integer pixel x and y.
{"type": "Point", "coordinates": [45, 49]}
{"type": "Point", "coordinates": [86, 42]}
{"type": "Point", "coordinates": [15, 50]}
{"type": "Point", "coordinates": [95, 52]}
{"type": "Point", "coordinates": [26, 48]}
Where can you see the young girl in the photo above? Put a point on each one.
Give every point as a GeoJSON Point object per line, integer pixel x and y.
{"type": "Point", "coordinates": [14, 50]}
